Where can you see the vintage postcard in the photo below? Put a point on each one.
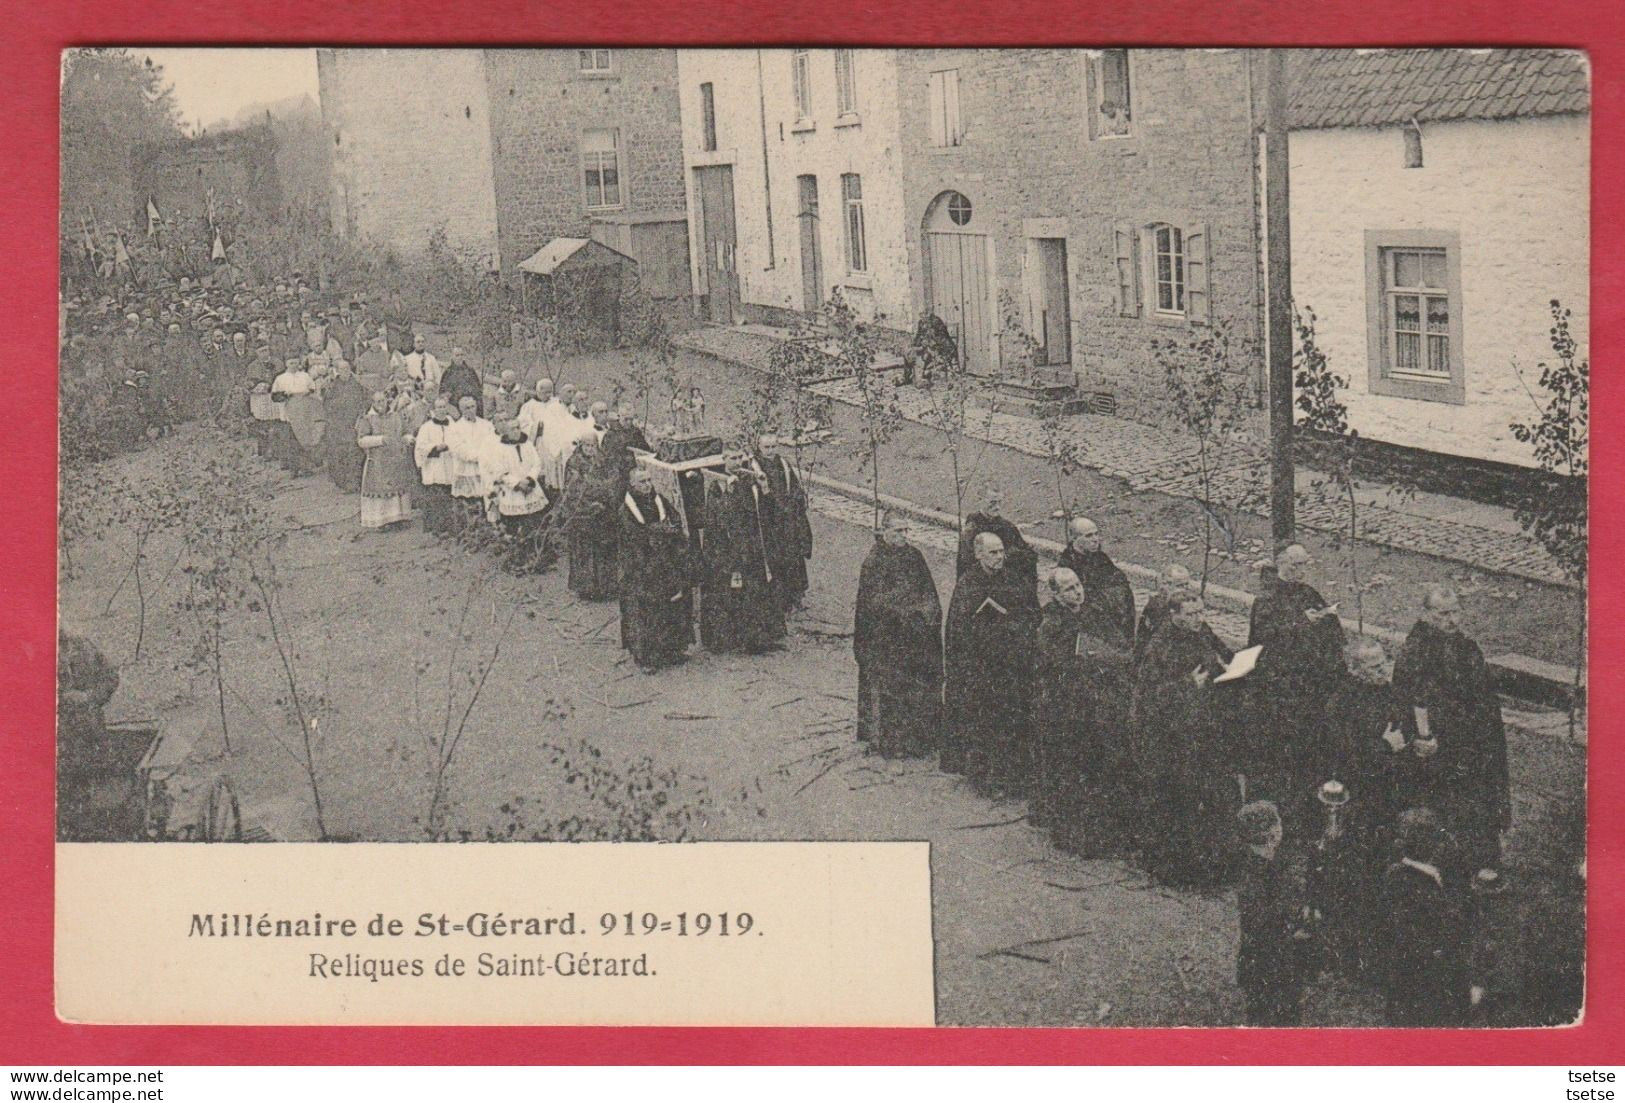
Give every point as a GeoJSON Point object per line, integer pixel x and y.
{"type": "Point", "coordinates": [823, 537]}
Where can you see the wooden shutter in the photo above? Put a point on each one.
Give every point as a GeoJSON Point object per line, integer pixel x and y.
{"type": "Point", "coordinates": [1126, 250]}
{"type": "Point", "coordinates": [939, 114]}
{"type": "Point", "coordinates": [953, 125]}
{"type": "Point", "coordinates": [1198, 307]}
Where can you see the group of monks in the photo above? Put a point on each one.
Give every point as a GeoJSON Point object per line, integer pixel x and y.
{"type": "Point", "coordinates": [1383, 786]}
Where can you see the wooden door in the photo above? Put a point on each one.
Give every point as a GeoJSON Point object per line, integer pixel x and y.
{"type": "Point", "coordinates": [720, 244]}
{"type": "Point", "coordinates": [959, 294]}
{"type": "Point", "coordinates": [1054, 302]}
{"type": "Point", "coordinates": [812, 260]}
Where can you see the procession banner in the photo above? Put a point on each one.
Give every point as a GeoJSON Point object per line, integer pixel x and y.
{"type": "Point", "coordinates": [565, 934]}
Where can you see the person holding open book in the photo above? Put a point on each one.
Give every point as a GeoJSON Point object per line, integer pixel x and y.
{"type": "Point", "coordinates": [1186, 771]}
{"type": "Point", "coordinates": [1299, 669]}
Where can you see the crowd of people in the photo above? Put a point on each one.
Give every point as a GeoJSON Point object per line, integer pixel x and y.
{"type": "Point", "coordinates": [1357, 805]}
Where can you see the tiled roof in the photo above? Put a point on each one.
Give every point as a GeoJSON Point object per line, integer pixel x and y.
{"type": "Point", "coordinates": [1383, 87]}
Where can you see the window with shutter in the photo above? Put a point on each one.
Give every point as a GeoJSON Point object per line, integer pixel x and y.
{"type": "Point", "coordinates": [946, 128]}
{"type": "Point", "coordinates": [846, 83]}
{"type": "Point", "coordinates": [1198, 308]}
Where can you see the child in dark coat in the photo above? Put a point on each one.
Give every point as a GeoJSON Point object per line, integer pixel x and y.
{"type": "Point", "coordinates": [1272, 961]}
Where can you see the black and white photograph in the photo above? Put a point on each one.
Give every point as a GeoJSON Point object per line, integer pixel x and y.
{"type": "Point", "coordinates": [1154, 478]}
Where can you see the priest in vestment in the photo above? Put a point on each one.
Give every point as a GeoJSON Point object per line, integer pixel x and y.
{"type": "Point", "coordinates": [738, 608]}
{"type": "Point", "coordinates": [657, 606]}
{"type": "Point", "coordinates": [1187, 777]}
{"type": "Point", "coordinates": [470, 436]}
{"type": "Point", "coordinates": [432, 452]}
{"type": "Point", "coordinates": [1455, 721]}
{"type": "Point", "coordinates": [458, 381]}
{"type": "Point", "coordinates": [1173, 586]}
{"type": "Point", "coordinates": [294, 382]}
{"type": "Point", "coordinates": [1081, 715]}
{"type": "Point", "coordinates": [386, 482]}
{"type": "Point", "coordinates": [988, 651]}
{"type": "Point", "coordinates": [512, 470]}
{"type": "Point", "coordinates": [897, 641]}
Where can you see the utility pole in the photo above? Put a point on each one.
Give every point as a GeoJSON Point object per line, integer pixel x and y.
{"type": "Point", "coordinates": [1278, 302]}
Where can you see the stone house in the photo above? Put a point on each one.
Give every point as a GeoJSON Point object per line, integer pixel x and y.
{"type": "Point", "coordinates": [1096, 201]}
{"type": "Point", "coordinates": [508, 149]}
{"type": "Point", "coordinates": [794, 184]}
{"type": "Point", "coordinates": [1440, 200]}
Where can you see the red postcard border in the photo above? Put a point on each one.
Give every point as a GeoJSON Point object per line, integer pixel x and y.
{"type": "Point", "coordinates": [29, 1030]}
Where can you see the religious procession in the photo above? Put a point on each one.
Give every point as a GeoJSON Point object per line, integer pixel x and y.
{"type": "Point", "coordinates": [1158, 789]}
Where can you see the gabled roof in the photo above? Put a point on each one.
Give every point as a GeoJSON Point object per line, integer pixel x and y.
{"type": "Point", "coordinates": [563, 253]}
{"type": "Point", "coordinates": [1334, 88]}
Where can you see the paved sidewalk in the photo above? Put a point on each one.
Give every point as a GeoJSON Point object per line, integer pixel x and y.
{"type": "Point", "coordinates": [1149, 458]}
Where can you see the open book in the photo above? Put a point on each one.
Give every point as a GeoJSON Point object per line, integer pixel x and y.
{"type": "Point", "coordinates": [1240, 666]}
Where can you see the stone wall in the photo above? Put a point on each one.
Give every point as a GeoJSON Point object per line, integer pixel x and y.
{"type": "Point", "coordinates": [239, 167]}
{"type": "Point", "coordinates": [1516, 194]}
{"type": "Point", "coordinates": [1030, 169]}
{"type": "Point", "coordinates": [411, 135]}
{"type": "Point", "coordinates": [541, 102]}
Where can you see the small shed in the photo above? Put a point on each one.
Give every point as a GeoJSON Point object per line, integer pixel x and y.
{"type": "Point", "coordinates": [577, 278]}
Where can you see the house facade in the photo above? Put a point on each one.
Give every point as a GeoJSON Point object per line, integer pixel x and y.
{"type": "Point", "coordinates": [793, 183]}
{"type": "Point", "coordinates": [509, 149]}
{"type": "Point", "coordinates": [1440, 201]}
{"type": "Point", "coordinates": [1096, 201]}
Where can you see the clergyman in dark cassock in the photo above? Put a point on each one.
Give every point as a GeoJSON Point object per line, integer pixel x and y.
{"type": "Point", "coordinates": [1300, 667]}
{"type": "Point", "coordinates": [1273, 951]}
{"type": "Point", "coordinates": [590, 510]}
{"type": "Point", "coordinates": [1019, 555]}
{"type": "Point", "coordinates": [988, 647]}
{"type": "Point", "coordinates": [791, 543]}
{"type": "Point", "coordinates": [1081, 712]}
{"type": "Point", "coordinates": [657, 605]}
{"type": "Point", "coordinates": [1106, 589]}
{"type": "Point", "coordinates": [1440, 675]}
{"type": "Point", "coordinates": [621, 438]}
{"type": "Point", "coordinates": [344, 400]}
{"type": "Point", "coordinates": [1186, 775]}
{"type": "Point", "coordinates": [897, 641]}
{"type": "Point", "coordinates": [1173, 586]}
{"type": "Point", "coordinates": [739, 610]}
{"type": "Point", "coordinates": [1426, 977]}
{"type": "Point", "coordinates": [459, 381]}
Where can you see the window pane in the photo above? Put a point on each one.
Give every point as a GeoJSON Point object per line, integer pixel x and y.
{"type": "Point", "coordinates": [603, 59]}
{"type": "Point", "coordinates": [584, 58]}
{"type": "Point", "coordinates": [595, 191]}
{"type": "Point", "coordinates": [1433, 270]}
{"type": "Point", "coordinates": [1439, 355]}
{"type": "Point", "coordinates": [1407, 269]}
{"type": "Point", "coordinates": [1407, 313]}
{"type": "Point", "coordinates": [1438, 314]}
{"type": "Point", "coordinates": [598, 141]}
{"type": "Point", "coordinates": [1407, 352]}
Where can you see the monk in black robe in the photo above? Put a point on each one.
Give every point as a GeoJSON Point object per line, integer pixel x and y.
{"type": "Point", "coordinates": [621, 438]}
{"type": "Point", "coordinates": [1426, 979]}
{"type": "Point", "coordinates": [1455, 715]}
{"type": "Point", "coordinates": [739, 610]}
{"type": "Point", "coordinates": [897, 641]}
{"type": "Point", "coordinates": [1019, 555]}
{"type": "Point", "coordinates": [1186, 775]}
{"type": "Point", "coordinates": [1081, 715]}
{"type": "Point", "coordinates": [1107, 595]}
{"type": "Point", "coordinates": [459, 381]}
{"type": "Point", "coordinates": [1173, 586]}
{"type": "Point", "coordinates": [790, 543]}
{"type": "Point", "coordinates": [1300, 667]}
{"type": "Point", "coordinates": [343, 402]}
{"type": "Point", "coordinates": [590, 510]}
{"type": "Point", "coordinates": [988, 652]}
{"type": "Point", "coordinates": [657, 604]}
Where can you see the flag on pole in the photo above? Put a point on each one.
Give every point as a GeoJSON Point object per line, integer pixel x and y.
{"type": "Point", "coordinates": [219, 251]}
{"type": "Point", "coordinates": [121, 255]}
{"type": "Point", "coordinates": [152, 217]}
{"type": "Point", "coordinates": [209, 208]}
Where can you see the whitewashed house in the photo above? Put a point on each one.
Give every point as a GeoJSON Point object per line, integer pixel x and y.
{"type": "Point", "coordinates": [793, 183]}
{"type": "Point", "coordinates": [1440, 201]}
